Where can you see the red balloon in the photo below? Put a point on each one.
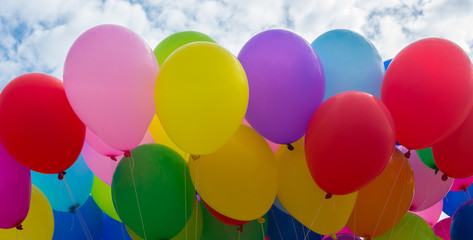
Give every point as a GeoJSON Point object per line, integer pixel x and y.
{"type": "Point", "coordinates": [222, 218]}
{"type": "Point", "coordinates": [38, 127]}
{"type": "Point", "coordinates": [454, 155]}
{"type": "Point", "coordinates": [428, 88]}
{"type": "Point", "coordinates": [349, 142]}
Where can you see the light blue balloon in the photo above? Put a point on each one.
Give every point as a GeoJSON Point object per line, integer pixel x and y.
{"type": "Point", "coordinates": [80, 180]}
{"type": "Point", "coordinates": [350, 62]}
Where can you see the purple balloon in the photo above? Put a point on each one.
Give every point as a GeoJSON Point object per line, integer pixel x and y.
{"type": "Point", "coordinates": [15, 191]}
{"type": "Point", "coordinates": [286, 83]}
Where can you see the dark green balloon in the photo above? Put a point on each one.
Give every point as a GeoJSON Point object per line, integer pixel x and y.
{"type": "Point", "coordinates": [427, 158]}
{"type": "Point", "coordinates": [177, 40]}
{"type": "Point", "coordinates": [213, 229]}
{"type": "Point", "coordinates": [164, 190]}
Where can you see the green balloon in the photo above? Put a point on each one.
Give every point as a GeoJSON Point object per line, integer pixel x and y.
{"type": "Point", "coordinates": [163, 188]}
{"type": "Point", "coordinates": [411, 226]}
{"type": "Point", "coordinates": [427, 158]}
{"type": "Point", "coordinates": [102, 194]}
{"type": "Point", "coordinates": [215, 230]}
{"type": "Point", "coordinates": [177, 40]}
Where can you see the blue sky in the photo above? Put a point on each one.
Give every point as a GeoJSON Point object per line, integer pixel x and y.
{"type": "Point", "coordinates": [35, 35]}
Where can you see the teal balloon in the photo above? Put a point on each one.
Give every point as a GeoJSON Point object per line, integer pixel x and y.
{"type": "Point", "coordinates": [78, 177]}
{"type": "Point", "coordinates": [350, 62]}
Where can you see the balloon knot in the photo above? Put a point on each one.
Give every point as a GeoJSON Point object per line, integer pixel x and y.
{"type": "Point", "coordinates": [127, 154]}
{"type": "Point", "coordinates": [240, 228]}
{"type": "Point", "coordinates": [60, 175]}
{"type": "Point", "coordinates": [334, 236]}
{"type": "Point", "coordinates": [195, 157]}
{"type": "Point", "coordinates": [290, 147]}
{"type": "Point", "coordinates": [19, 226]}
{"type": "Point", "coordinates": [113, 158]}
{"type": "Point", "coordinates": [261, 220]}
{"type": "Point", "coordinates": [328, 196]}
{"type": "Point", "coordinates": [73, 208]}
{"type": "Point", "coordinates": [444, 177]}
{"type": "Point", "coordinates": [436, 171]}
{"type": "Point", "coordinates": [408, 154]}
{"type": "Point", "coordinates": [463, 187]}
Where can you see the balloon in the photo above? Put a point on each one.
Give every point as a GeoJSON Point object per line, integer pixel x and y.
{"type": "Point", "coordinates": [15, 188]}
{"type": "Point", "coordinates": [461, 184]}
{"type": "Point", "coordinates": [213, 229]}
{"type": "Point", "coordinates": [86, 223]}
{"type": "Point", "coordinates": [99, 146]}
{"type": "Point", "coordinates": [304, 200]}
{"type": "Point", "coordinates": [350, 62]}
{"type": "Point", "coordinates": [68, 194]}
{"type": "Point", "coordinates": [159, 135]}
{"type": "Point", "coordinates": [431, 215]}
{"type": "Point", "coordinates": [384, 201]}
{"type": "Point", "coordinates": [428, 88]}
{"type": "Point", "coordinates": [222, 218]}
{"type": "Point", "coordinates": [442, 228]}
{"type": "Point", "coordinates": [344, 236]}
{"type": "Point", "coordinates": [109, 76]}
{"type": "Point", "coordinates": [34, 109]}
{"type": "Point", "coordinates": [429, 187]}
{"type": "Point", "coordinates": [462, 221]}
{"type": "Point", "coordinates": [453, 154]}
{"type": "Point", "coordinates": [177, 40]}
{"type": "Point", "coordinates": [201, 108]}
{"type": "Point", "coordinates": [427, 158]}
{"type": "Point", "coordinates": [102, 194]}
{"type": "Point", "coordinates": [283, 226]}
{"type": "Point", "coordinates": [286, 83]}
{"type": "Point", "coordinates": [114, 230]}
{"type": "Point", "coordinates": [240, 179]}
{"type": "Point", "coordinates": [453, 200]}
{"type": "Point", "coordinates": [410, 227]}
{"type": "Point", "coordinates": [39, 223]}
{"type": "Point", "coordinates": [147, 191]}
{"type": "Point", "coordinates": [337, 139]}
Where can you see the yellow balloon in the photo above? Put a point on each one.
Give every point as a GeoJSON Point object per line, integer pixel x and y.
{"type": "Point", "coordinates": [304, 200]}
{"type": "Point", "coordinates": [160, 136]}
{"type": "Point", "coordinates": [38, 225]}
{"type": "Point", "coordinates": [102, 194]}
{"type": "Point", "coordinates": [201, 96]}
{"type": "Point", "coordinates": [239, 180]}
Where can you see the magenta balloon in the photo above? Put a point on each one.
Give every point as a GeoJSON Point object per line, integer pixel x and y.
{"type": "Point", "coordinates": [286, 83]}
{"type": "Point", "coordinates": [442, 228]}
{"type": "Point", "coordinates": [461, 184]}
{"type": "Point", "coordinates": [15, 191]}
{"type": "Point", "coordinates": [345, 231]}
{"type": "Point", "coordinates": [429, 186]}
{"type": "Point", "coordinates": [98, 145]}
{"type": "Point", "coordinates": [343, 236]}
{"type": "Point", "coordinates": [109, 78]}
{"type": "Point", "coordinates": [432, 214]}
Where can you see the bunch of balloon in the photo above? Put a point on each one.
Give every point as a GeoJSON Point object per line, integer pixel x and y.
{"type": "Point", "coordinates": [442, 72]}
{"type": "Point", "coordinates": [304, 200]}
{"type": "Point", "coordinates": [38, 224]}
{"type": "Point", "coordinates": [109, 76]}
{"type": "Point", "coordinates": [384, 201]}
{"type": "Point", "coordinates": [240, 179]}
{"type": "Point", "coordinates": [410, 227]}
{"type": "Point", "coordinates": [86, 223]}
{"type": "Point", "coordinates": [442, 228]}
{"type": "Point", "coordinates": [283, 226]}
{"type": "Point", "coordinates": [462, 221]}
{"type": "Point", "coordinates": [56, 131]}
{"type": "Point", "coordinates": [288, 64]}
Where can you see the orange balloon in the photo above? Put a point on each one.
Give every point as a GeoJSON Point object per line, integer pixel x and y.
{"type": "Point", "coordinates": [383, 202]}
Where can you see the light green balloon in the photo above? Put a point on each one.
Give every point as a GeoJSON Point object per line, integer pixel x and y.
{"type": "Point", "coordinates": [102, 194]}
{"type": "Point", "coordinates": [411, 226]}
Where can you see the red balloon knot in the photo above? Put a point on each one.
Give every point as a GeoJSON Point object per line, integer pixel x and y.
{"type": "Point", "coordinates": [19, 226]}
{"type": "Point", "coordinates": [113, 158]}
{"type": "Point", "coordinates": [127, 154]}
{"type": "Point", "coordinates": [463, 187]}
{"type": "Point", "coordinates": [444, 177]}
{"type": "Point", "coordinates": [60, 175]}
{"type": "Point", "coordinates": [328, 196]}
{"type": "Point", "coordinates": [240, 228]}
{"type": "Point", "coordinates": [408, 153]}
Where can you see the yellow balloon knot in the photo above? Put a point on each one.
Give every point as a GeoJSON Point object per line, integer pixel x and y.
{"type": "Point", "coordinates": [195, 157]}
{"type": "Point", "coordinates": [334, 236]}
{"type": "Point", "coordinates": [261, 220]}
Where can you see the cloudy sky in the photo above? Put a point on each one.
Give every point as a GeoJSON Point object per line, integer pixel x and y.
{"type": "Point", "coordinates": [35, 35]}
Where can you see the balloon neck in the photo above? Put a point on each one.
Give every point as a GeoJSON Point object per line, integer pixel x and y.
{"type": "Point", "coordinates": [195, 157]}
{"type": "Point", "coordinates": [408, 153]}
{"type": "Point", "coordinates": [127, 154]}
{"type": "Point", "coordinates": [290, 147]}
{"type": "Point", "coordinates": [240, 228]}
{"type": "Point", "coordinates": [436, 171]}
{"type": "Point", "coordinates": [444, 177]}
{"type": "Point", "coordinates": [73, 208]}
{"type": "Point", "coordinates": [19, 226]}
{"type": "Point", "coordinates": [261, 220]}
{"type": "Point", "coordinates": [113, 158]}
{"type": "Point", "coordinates": [328, 196]}
{"type": "Point", "coordinates": [334, 236]}
{"type": "Point", "coordinates": [60, 175]}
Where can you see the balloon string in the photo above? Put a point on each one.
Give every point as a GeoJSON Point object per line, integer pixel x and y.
{"type": "Point", "coordinates": [79, 215]}
{"type": "Point", "coordinates": [185, 199]}
{"type": "Point", "coordinates": [315, 217]}
{"type": "Point", "coordinates": [399, 204]}
{"type": "Point", "coordinates": [196, 206]}
{"type": "Point", "coordinates": [277, 225]}
{"type": "Point", "coordinates": [123, 231]}
{"type": "Point", "coordinates": [262, 230]}
{"type": "Point", "coordinates": [136, 193]}
{"type": "Point", "coordinates": [469, 196]}
{"type": "Point", "coordinates": [27, 234]}
{"type": "Point", "coordinates": [294, 226]}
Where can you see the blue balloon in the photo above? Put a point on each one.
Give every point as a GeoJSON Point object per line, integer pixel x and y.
{"type": "Point", "coordinates": [78, 177]}
{"type": "Point", "coordinates": [462, 222]}
{"type": "Point", "coordinates": [386, 64]}
{"type": "Point", "coordinates": [454, 200]}
{"type": "Point", "coordinates": [85, 223]}
{"type": "Point", "coordinates": [350, 62]}
{"type": "Point", "coordinates": [283, 226]}
{"type": "Point", "coordinates": [113, 229]}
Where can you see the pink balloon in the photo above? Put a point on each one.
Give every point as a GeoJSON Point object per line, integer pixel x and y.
{"type": "Point", "coordinates": [15, 191]}
{"type": "Point", "coordinates": [429, 187]}
{"type": "Point", "coordinates": [432, 214]}
{"type": "Point", "coordinates": [345, 230]}
{"type": "Point", "coordinates": [442, 228]}
{"type": "Point", "coordinates": [461, 184]}
{"type": "Point", "coordinates": [109, 78]}
{"type": "Point", "coordinates": [98, 145]}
